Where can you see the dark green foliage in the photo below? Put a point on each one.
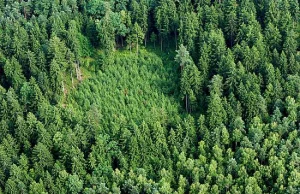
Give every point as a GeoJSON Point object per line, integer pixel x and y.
{"type": "Point", "coordinates": [215, 110]}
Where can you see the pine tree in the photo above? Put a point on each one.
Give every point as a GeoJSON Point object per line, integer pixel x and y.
{"type": "Point", "coordinates": [273, 37]}
{"type": "Point", "coordinates": [106, 32]}
{"type": "Point", "coordinates": [182, 57]}
{"type": "Point", "coordinates": [13, 73]}
{"type": "Point", "coordinates": [138, 36]}
{"type": "Point", "coordinates": [230, 20]}
{"type": "Point", "coordinates": [165, 15]}
{"type": "Point", "coordinates": [190, 85]}
{"type": "Point", "coordinates": [216, 112]}
{"type": "Point", "coordinates": [56, 80]}
{"type": "Point", "coordinates": [188, 25]}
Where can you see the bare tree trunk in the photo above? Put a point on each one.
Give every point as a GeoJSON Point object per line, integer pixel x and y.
{"type": "Point", "coordinates": [72, 80]}
{"type": "Point", "coordinates": [186, 103]}
{"type": "Point", "coordinates": [176, 39]}
{"type": "Point", "coordinates": [137, 46]}
{"type": "Point", "coordinates": [24, 10]}
{"type": "Point", "coordinates": [63, 88]}
{"type": "Point", "coordinates": [181, 67]}
{"type": "Point", "coordinates": [190, 107]}
{"type": "Point", "coordinates": [78, 72]}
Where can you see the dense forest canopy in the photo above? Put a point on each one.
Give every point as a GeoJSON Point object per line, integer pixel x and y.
{"type": "Point", "coordinates": [149, 96]}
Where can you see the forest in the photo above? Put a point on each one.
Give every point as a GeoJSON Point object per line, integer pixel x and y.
{"type": "Point", "coordinates": [149, 96]}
